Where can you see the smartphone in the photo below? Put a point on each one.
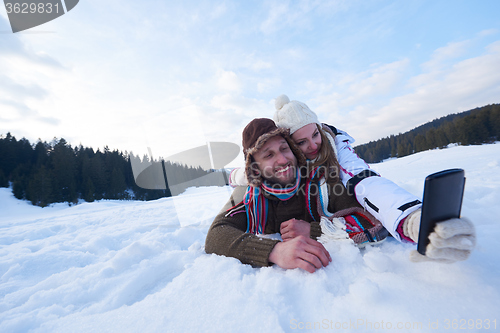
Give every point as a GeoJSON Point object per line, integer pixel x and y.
{"type": "Point", "coordinates": [443, 195]}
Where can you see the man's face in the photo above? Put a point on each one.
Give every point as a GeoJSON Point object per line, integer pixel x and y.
{"type": "Point", "coordinates": [276, 161]}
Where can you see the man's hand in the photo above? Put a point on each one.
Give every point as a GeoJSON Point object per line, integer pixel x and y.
{"type": "Point", "coordinates": [294, 228]}
{"type": "Point", "coordinates": [300, 252]}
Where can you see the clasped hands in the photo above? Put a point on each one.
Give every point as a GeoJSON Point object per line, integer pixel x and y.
{"type": "Point", "coordinates": [298, 250]}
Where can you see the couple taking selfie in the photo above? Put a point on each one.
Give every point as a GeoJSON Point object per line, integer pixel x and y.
{"type": "Point", "coordinates": [303, 181]}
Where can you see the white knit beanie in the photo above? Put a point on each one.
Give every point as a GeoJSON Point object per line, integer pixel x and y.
{"type": "Point", "coordinates": [293, 115]}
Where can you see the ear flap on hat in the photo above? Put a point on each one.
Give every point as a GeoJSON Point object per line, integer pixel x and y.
{"type": "Point", "coordinates": [254, 177]}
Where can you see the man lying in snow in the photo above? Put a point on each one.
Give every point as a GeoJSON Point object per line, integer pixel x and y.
{"type": "Point", "coordinates": [285, 197]}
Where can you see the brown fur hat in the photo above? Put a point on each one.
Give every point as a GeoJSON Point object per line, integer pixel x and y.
{"type": "Point", "coordinates": [255, 135]}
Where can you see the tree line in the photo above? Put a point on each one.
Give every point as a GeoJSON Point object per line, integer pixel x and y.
{"type": "Point", "coordinates": [45, 173]}
{"type": "Point", "coordinates": [477, 126]}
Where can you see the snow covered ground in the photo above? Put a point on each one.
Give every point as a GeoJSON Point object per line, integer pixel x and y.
{"type": "Point", "coordinates": [118, 266]}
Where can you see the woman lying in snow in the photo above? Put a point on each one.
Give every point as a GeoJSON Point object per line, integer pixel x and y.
{"type": "Point", "coordinates": [397, 209]}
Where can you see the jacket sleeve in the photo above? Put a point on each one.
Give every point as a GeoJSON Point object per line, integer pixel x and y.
{"type": "Point", "coordinates": [385, 200]}
{"type": "Point", "coordinates": [237, 177]}
{"type": "Point", "coordinates": [227, 236]}
{"type": "Point", "coordinates": [388, 202]}
{"type": "Point", "coordinates": [350, 163]}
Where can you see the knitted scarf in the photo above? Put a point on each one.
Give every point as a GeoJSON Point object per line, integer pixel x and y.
{"type": "Point", "coordinates": [352, 221]}
{"type": "Point", "coordinates": [256, 203]}
{"type": "Point", "coordinates": [322, 189]}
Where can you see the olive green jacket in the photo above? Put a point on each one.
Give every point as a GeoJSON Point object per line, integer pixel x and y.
{"type": "Point", "coordinates": [227, 235]}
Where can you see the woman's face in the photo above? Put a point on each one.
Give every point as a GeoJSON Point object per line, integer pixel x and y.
{"type": "Point", "coordinates": [308, 139]}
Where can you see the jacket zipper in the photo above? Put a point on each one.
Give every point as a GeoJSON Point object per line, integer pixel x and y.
{"type": "Point", "coordinates": [372, 206]}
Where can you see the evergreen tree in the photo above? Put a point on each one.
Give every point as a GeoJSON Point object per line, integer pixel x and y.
{"type": "Point", "coordinates": [64, 167]}
{"type": "Point", "coordinates": [401, 150]}
{"type": "Point", "coordinates": [409, 149]}
{"type": "Point", "coordinates": [98, 175]}
{"type": "Point", "coordinates": [40, 155]}
{"type": "Point", "coordinates": [89, 190]}
{"type": "Point", "coordinates": [451, 132]}
{"type": "Point", "coordinates": [393, 145]}
{"type": "Point", "coordinates": [39, 190]}
{"type": "Point", "coordinates": [495, 122]}
{"type": "Point", "coordinates": [9, 160]}
{"type": "Point", "coordinates": [3, 180]}
{"type": "Point", "coordinates": [117, 185]}
{"type": "Point", "coordinates": [420, 143]}
{"type": "Point", "coordinates": [20, 180]}
{"type": "Point", "coordinates": [430, 138]}
{"type": "Point", "coordinates": [441, 139]}
{"type": "Point", "coordinates": [18, 189]}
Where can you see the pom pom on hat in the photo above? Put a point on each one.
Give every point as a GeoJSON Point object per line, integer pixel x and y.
{"type": "Point", "coordinates": [293, 114]}
{"type": "Point", "coordinates": [281, 100]}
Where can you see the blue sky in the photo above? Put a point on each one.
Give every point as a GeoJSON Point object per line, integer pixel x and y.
{"type": "Point", "coordinates": [172, 75]}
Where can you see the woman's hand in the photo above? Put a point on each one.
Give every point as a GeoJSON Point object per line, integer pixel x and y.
{"type": "Point", "coordinates": [294, 228]}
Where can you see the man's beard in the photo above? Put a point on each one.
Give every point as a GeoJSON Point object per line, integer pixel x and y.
{"type": "Point", "coordinates": [277, 182]}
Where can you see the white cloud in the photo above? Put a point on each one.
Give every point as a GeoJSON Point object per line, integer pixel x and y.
{"type": "Point", "coordinates": [494, 47]}
{"type": "Point", "coordinates": [247, 107]}
{"type": "Point", "coordinates": [379, 80]}
{"type": "Point", "coordinates": [268, 84]}
{"type": "Point", "coordinates": [488, 32]}
{"type": "Point", "coordinates": [228, 81]}
{"type": "Point", "coordinates": [24, 88]}
{"type": "Point", "coordinates": [291, 15]}
{"type": "Point", "coordinates": [260, 65]}
{"type": "Point", "coordinates": [445, 53]}
{"type": "Point", "coordinates": [277, 16]}
{"type": "Point", "coordinates": [357, 92]}
{"type": "Point", "coordinates": [218, 11]}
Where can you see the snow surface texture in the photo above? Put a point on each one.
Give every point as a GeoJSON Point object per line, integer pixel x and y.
{"type": "Point", "coordinates": [128, 266]}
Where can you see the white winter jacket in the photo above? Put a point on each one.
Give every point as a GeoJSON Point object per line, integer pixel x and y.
{"type": "Point", "coordinates": [385, 200]}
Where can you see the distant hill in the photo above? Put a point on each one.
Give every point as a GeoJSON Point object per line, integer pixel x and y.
{"type": "Point", "coordinates": [477, 126]}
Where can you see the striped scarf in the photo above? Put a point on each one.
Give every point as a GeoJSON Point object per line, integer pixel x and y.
{"type": "Point", "coordinates": [256, 204]}
{"type": "Point", "coordinates": [322, 189]}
